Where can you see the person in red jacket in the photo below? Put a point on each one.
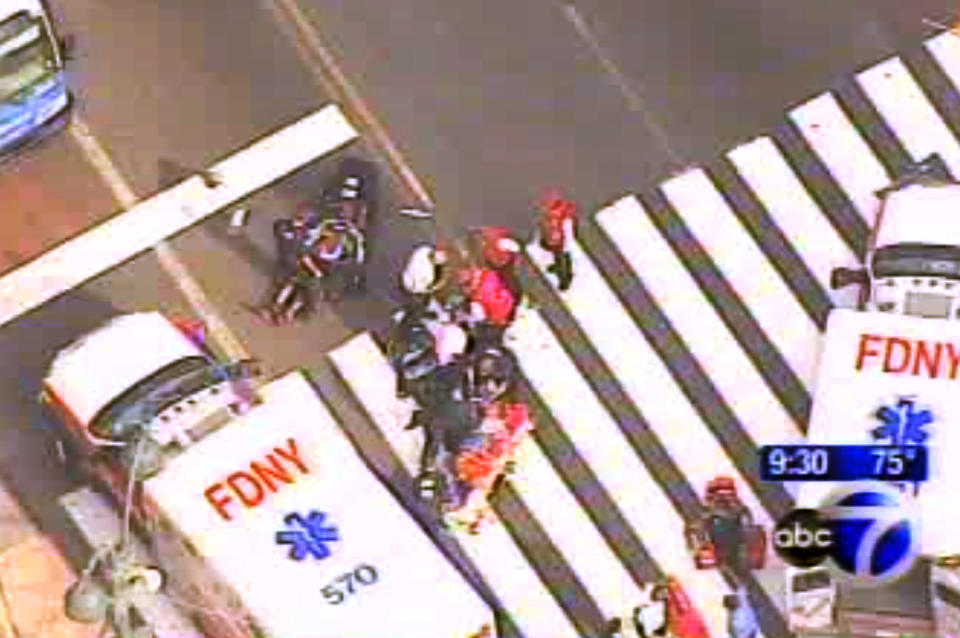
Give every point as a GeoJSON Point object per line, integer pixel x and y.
{"type": "Point", "coordinates": [491, 296]}
{"type": "Point", "coordinates": [557, 224]}
{"type": "Point", "coordinates": [500, 251]}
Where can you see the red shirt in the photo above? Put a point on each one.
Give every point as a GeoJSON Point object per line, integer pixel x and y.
{"type": "Point", "coordinates": [556, 212]}
{"type": "Point", "coordinates": [486, 287]}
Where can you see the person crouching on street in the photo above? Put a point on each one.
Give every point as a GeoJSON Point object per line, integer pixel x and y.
{"type": "Point", "coordinates": [557, 225]}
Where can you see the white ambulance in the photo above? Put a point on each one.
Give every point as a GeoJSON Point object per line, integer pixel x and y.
{"type": "Point", "coordinates": [889, 372]}
{"type": "Point", "coordinates": [263, 515]}
{"type": "Point", "coordinates": [900, 353]}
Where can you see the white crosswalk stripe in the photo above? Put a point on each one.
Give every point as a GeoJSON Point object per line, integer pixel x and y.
{"type": "Point", "coordinates": [605, 449]}
{"type": "Point", "coordinates": [713, 223]}
{"type": "Point", "coordinates": [769, 175]}
{"type": "Point", "coordinates": [838, 143]}
{"type": "Point", "coordinates": [572, 531]}
{"type": "Point", "coordinates": [652, 261]}
{"type": "Point", "coordinates": [945, 49]}
{"type": "Point", "coordinates": [645, 378]}
{"type": "Point", "coordinates": [564, 377]}
{"type": "Point", "coordinates": [903, 106]}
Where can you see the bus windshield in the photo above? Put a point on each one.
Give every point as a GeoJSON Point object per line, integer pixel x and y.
{"type": "Point", "coordinates": [26, 57]}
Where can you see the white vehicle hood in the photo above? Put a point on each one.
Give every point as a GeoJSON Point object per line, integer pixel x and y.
{"type": "Point", "coordinates": [91, 372]}
{"type": "Point", "coordinates": [233, 491]}
{"type": "Point", "coordinates": [921, 214]}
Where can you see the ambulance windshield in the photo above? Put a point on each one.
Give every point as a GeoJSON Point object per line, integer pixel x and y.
{"type": "Point", "coordinates": [916, 260]}
{"type": "Point", "coordinates": [140, 403]}
{"type": "Point", "coordinates": [817, 579]}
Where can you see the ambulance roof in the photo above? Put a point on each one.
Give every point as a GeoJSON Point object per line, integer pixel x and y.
{"type": "Point", "coordinates": [846, 399]}
{"type": "Point", "coordinates": [98, 367]}
{"type": "Point", "coordinates": [925, 214]}
{"type": "Point", "coordinates": [416, 594]}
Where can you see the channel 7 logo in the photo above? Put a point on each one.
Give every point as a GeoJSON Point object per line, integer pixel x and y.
{"type": "Point", "coordinates": [868, 530]}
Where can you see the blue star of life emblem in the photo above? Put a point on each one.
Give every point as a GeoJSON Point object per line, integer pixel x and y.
{"type": "Point", "coordinates": [902, 423]}
{"type": "Point", "coordinates": [309, 535]}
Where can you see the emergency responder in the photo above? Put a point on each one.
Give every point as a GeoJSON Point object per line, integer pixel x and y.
{"type": "Point", "coordinates": [425, 272]}
{"type": "Point", "coordinates": [308, 248]}
{"type": "Point", "coordinates": [411, 349]}
{"type": "Point", "coordinates": [335, 258]}
{"type": "Point", "coordinates": [726, 522]}
{"type": "Point", "coordinates": [557, 225]}
{"type": "Point", "coordinates": [492, 375]}
{"type": "Point", "coordinates": [493, 306]}
{"type": "Point", "coordinates": [648, 619]}
{"type": "Point", "coordinates": [500, 251]}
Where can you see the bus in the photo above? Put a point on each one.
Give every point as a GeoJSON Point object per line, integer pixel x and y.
{"type": "Point", "coordinates": [34, 97]}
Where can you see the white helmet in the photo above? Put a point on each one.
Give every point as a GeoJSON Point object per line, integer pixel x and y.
{"type": "Point", "coordinates": [420, 275]}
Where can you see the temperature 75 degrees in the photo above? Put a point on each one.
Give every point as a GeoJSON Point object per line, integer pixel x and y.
{"type": "Point", "coordinates": [889, 461]}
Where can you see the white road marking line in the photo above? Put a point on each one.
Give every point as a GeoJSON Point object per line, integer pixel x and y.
{"type": "Point", "coordinates": [711, 343]}
{"type": "Point", "coordinates": [126, 234]}
{"type": "Point", "coordinates": [945, 49]}
{"type": "Point", "coordinates": [839, 145]}
{"type": "Point", "coordinates": [907, 111]}
{"type": "Point", "coordinates": [744, 265]}
{"type": "Point", "coordinates": [572, 532]}
{"type": "Point", "coordinates": [366, 371]}
{"type": "Point", "coordinates": [101, 161]}
{"type": "Point", "coordinates": [645, 378]}
{"type": "Point", "coordinates": [604, 448]}
{"type": "Point", "coordinates": [623, 84]}
{"type": "Point", "coordinates": [309, 45]}
{"type": "Point", "coordinates": [771, 178]}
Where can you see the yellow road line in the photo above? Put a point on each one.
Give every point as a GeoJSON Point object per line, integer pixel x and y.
{"type": "Point", "coordinates": [324, 67]}
{"type": "Point", "coordinates": [101, 161]}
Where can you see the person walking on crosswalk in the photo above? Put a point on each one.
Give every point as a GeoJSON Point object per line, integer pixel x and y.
{"type": "Point", "coordinates": [557, 226]}
{"type": "Point", "coordinates": [741, 620]}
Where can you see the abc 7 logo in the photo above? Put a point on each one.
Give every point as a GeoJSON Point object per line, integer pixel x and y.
{"type": "Point", "coordinates": [869, 532]}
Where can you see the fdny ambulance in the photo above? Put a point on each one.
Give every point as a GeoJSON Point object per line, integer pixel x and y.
{"type": "Point", "coordinates": [899, 354]}
{"type": "Point", "coordinates": [259, 510]}
{"type": "Point", "coordinates": [888, 375]}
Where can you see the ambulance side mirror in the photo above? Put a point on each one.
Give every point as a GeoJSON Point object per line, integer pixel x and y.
{"type": "Point", "coordinates": [844, 277]}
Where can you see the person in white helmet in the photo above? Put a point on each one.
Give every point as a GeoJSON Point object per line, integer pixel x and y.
{"type": "Point", "coordinates": [425, 271]}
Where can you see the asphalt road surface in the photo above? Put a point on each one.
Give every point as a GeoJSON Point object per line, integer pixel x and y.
{"type": "Point", "coordinates": [489, 103]}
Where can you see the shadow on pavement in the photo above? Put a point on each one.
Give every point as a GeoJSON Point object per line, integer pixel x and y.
{"type": "Point", "coordinates": [28, 463]}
